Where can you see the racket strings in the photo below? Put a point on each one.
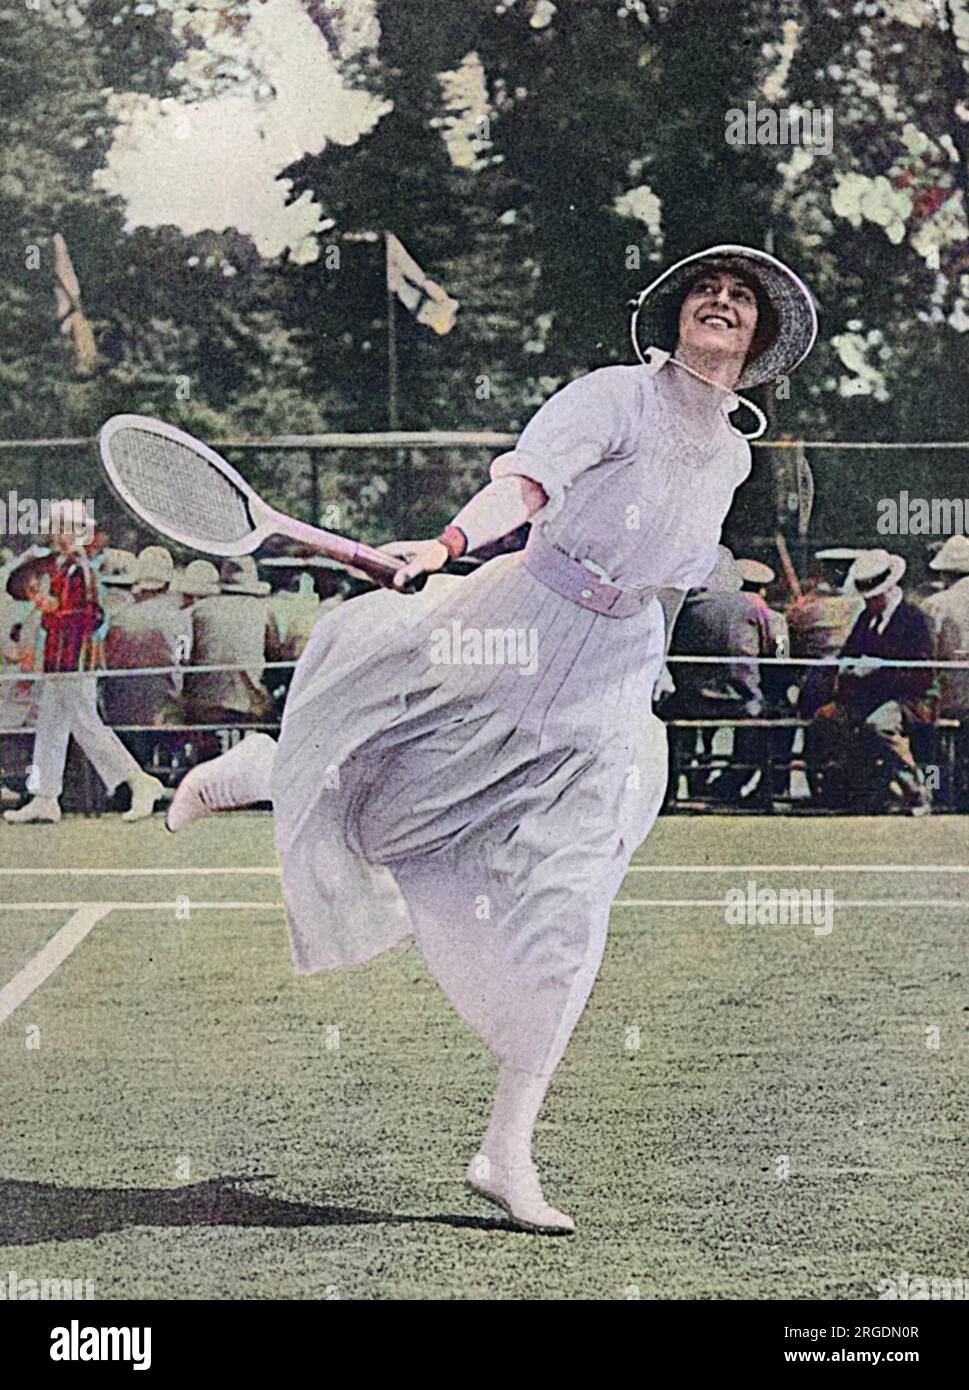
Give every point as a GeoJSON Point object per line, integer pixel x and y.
{"type": "Point", "coordinates": [180, 489]}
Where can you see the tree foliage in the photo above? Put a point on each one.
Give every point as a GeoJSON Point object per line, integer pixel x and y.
{"type": "Point", "coordinates": [542, 162]}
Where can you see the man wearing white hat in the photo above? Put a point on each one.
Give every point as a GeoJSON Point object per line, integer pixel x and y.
{"type": "Point", "coordinates": [820, 621]}
{"type": "Point", "coordinates": [200, 579]}
{"type": "Point", "coordinates": [116, 576]}
{"type": "Point", "coordinates": [232, 628]}
{"type": "Point", "coordinates": [62, 584]}
{"type": "Point", "coordinates": [948, 612]}
{"type": "Point", "coordinates": [154, 631]}
{"type": "Point", "coordinates": [867, 727]}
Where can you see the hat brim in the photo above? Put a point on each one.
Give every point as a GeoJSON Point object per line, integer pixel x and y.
{"type": "Point", "coordinates": [257, 590]}
{"type": "Point", "coordinates": [791, 299]}
{"type": "Point", "coordinates": [839, 554]}
{"type": "Point", "coordinates": [755, 572]}
{"type": "Point", "coordinates": [896, 570]}
{"type": "Point", "coordinates": [955, 565]}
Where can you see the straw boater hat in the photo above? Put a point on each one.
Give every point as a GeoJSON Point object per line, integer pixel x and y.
{"type": "Point", "coordinates": [118, 568]}
{"type": "Point", "coordinates": [240, 576]}
{"type": "Point", "coordinates": [874, 572]}
{"type": "Point", "coordinates": [953, 557]}
{"type": "Point", "coordinates": [838, 552]}
{"type": "Point", "coordinates": [783, 297]}
{"type": "Point", "coordinates": [200, 579]}
{"type": "Point", "coordinates": [754, 572]}
{"type": "Point", "coordinates": [154, 568]}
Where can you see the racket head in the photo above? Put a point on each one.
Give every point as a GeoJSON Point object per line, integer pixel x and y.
{"type": "Point", "coordinates": [182, 488]}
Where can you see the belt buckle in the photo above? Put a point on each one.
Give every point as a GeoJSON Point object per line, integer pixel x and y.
{"type": "Point", "coordinates": [597, 587]}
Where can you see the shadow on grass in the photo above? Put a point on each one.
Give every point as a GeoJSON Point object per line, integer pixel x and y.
{"type": "Point", "coordinates": [32, 1212]}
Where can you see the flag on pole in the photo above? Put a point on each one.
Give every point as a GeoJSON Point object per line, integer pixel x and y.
{"type": "Point", "coordinates": [426, 300]}
{"type": "Point", "coordinates": [67, 292]}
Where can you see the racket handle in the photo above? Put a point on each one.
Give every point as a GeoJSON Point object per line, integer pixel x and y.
{"type": "Point", "coordinates": [375, 564]}
{"type": "Point", "coordinates": [382, 568]}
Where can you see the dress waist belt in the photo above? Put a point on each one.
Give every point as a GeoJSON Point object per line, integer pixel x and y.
{"type": "Point", "coordinates": [572, 580]}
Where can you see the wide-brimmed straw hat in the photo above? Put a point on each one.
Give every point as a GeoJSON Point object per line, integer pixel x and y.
{"type": "Point", "coordinates": [118, 568]}
{"type": "Point", "coordinates": [874, 572]}
{"type": "Point", "coordinates": [154, 568]}
{"type": "Point", "coordinates": [754, 572]}
{"type": "Point", "coordinates": [953, 557]}
{"type": "Point", "coordinates": [789, 297]}
{"type": "Point", "coordinates": [200, 579]}
{"type": "Point", "coordinates": [838, 553]}
{"type": "Point", "coordinates": [240, 576]}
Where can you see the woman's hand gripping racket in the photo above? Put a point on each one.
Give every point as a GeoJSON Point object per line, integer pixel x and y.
{"type": "Point", "coordinates": [187, 492]}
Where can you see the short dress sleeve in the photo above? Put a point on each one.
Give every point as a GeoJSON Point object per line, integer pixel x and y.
{"type": "Point", "coordinates": [578, 428]}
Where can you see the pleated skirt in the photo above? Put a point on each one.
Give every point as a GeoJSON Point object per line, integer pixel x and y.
{"type": "Point", "coordinates": [474, 765]}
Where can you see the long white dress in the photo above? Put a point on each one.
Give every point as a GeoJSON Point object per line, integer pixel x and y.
{"type": "Point", "coordinates": [492, 809]}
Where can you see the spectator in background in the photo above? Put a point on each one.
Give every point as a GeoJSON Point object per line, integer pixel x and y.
{"type": "Point", "coordinates": [233, 628]}
{"type": "Point", "coordinates": [862, 738]}
{"type": "Point", "coordinates": [948, 613]}
{"type": "Point", "coordinates": [755, 577]}
{"type": "Point", "coordinates": [819, 623]}
{"type": "Point", "coordinates": [720, 619]}
{"type": "Point", "coordinates": [154, 630]}
{"type": "Point", "coordinates": [295, 607]}
{"type": "Point", "coordinates": [198, 580]}
{"type": "Point", "coordinates": [116, 574]}
{"type": "Point", "coordinates": [19, 633]}
{"type": "Point", "coordinates": [931, 582]}
{"type": "Point", "coordinates": [62, 583]}
{"type": "Point", "coordinates": [775, 639]}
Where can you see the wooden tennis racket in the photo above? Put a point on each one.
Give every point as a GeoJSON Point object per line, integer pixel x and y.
{"type": "Point", "coordinates": [189, 493]}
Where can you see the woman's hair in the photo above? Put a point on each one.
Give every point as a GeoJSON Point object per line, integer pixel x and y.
{"type": "Point", "coordinates": [768, 322]}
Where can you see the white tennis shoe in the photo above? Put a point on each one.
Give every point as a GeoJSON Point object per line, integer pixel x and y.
{"type": "Point", "coordinates": [38, 809]}
{"type": "Point", "coordinates": [145, 791]}
{"type": "Point", "coordinates": [518, 1192]}
{"type": "Point", "coordinates": [236, 778]}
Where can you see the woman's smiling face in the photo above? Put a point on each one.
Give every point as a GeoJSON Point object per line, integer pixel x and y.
{"type": "Point", "coordinates": [718, 315]}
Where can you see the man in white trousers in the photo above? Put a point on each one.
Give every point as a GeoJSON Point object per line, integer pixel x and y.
{"type": "Point", "coordinates": [62, 583]}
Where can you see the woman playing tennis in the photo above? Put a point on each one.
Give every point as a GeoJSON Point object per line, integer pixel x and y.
{"type": "Point", "coordinates": [490, 805]}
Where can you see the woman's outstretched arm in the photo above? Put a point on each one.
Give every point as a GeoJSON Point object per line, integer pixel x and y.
{"type": "Point", "coordinates": [503, 505]}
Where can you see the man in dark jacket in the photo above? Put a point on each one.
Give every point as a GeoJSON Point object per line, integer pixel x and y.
{"type": "Point", "coordinates": [864, 733]}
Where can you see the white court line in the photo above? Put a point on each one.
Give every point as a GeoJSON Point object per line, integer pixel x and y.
{"type": "Point", "coordinates": [273, 870]}
{"type": "Point", "coordinates": [142, 906]}
{"type": "Point", "coordinates": [961, 903]}
{"type": "Point", "coordinates": [262, 872]}
{"type": "Point", "coordinates": [46, 961]}
{"type": "Point", "coordinates": [799, 868]}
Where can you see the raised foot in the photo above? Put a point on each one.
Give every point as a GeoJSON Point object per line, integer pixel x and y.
{"type": "Point", "coordinates": [235, 779]}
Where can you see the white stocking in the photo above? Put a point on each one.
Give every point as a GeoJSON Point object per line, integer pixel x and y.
{"type": "Point", "coordinates": [518, 1099]}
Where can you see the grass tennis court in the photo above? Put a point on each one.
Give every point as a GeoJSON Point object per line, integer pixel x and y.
{"type": "Point", "coordinates": [185, 1118]}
